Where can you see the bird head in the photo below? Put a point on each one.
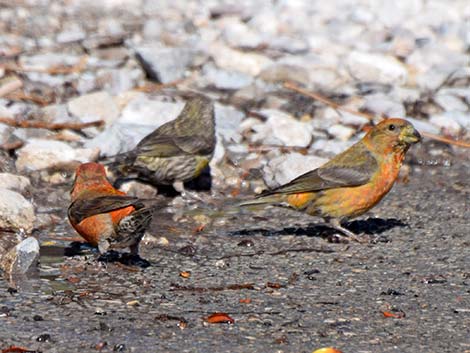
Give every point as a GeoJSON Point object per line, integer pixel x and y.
{"type": "Point", "coordinates": [87, 176]}
{"type": "Point", "coordinates": [394, 134]}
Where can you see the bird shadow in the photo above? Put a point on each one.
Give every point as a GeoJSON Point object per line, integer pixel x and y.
{"type": "Point", "coordinates": [111, 256]}
{"type": "Point", "coordinates": [370, 226]}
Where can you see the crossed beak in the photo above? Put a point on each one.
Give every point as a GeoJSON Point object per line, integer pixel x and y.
{"type": "Point", "coordinates": [410, 135]}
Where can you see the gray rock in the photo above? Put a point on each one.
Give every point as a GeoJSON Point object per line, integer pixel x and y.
{"type": "Point", "coordinates": [16, 213]}
{"type": "Point", "coordinates": [72, 33]}
{"type": "Point", "coordinates": [14, 182]}
{"type": "Point", "coordinates": [144, 111]}
{"type": "Point", "coordinates": [165, 64]}
{"type": "Point", "coordinates": [285, 72]}
{"type": "Point", "coordinates": [234, 60]}
{"type": "Point", "coordinates": [224, 79]}
{"type": "Point", "coordinates": [119, 138]}
{"type": "Point", "coordinates": [382, 104]}
{"type": "Point", "coordinates": [332, 147]}
{"type": "Point", "coordinates": [423, 126]}
{"type": "Point", "coordinates": [21, 259]}
{"type": "Point", "coordinates": [40, 154]}
{"type": "Point", "coordinates": [376, 67]}
{"type": "Point", "coordinates": [238, 34]}
{"type": "Point", "coordinates": [286, 129]}
{"type": "Point", "coordinates": [57, 113]}
{"type": "Point", "coordinates": [286, 167]}
{"type": "Point", "coordinates": [119, 80]}
{"type": "Point", "coordinates": [446, 122]}
{"type": "Point", "coordinates": [228, 120]}
{"type": "Point", "coordinates": [5, 133]}
{"type": "Point", "coordinates": [46, 61]}
{"type": "Point", "coordinates": [463, 118]}
{"type": "Point", "coordinates": [94, 106]}
{"type": "Point", "coordinates": [450, 102]}
{"type": "Point", "coordinates": [152, 29]}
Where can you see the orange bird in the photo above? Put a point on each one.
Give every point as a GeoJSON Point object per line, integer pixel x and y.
{"type": "Point", "coordinates": [103, 216]}
{"type": "Point", "coordinates": [352, 182]}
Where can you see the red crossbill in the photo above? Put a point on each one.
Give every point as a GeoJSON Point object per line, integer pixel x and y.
{"type": "Point", "coordinates": [352, 182]}
{"type": "Point", "coordinates": [106, 217]}
{"type": "Point", "coordinates": [177, 151]}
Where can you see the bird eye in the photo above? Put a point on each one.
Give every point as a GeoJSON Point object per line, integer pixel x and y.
{"type": "Point", "coordinates": [391, 127]}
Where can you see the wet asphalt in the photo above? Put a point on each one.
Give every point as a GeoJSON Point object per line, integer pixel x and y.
{"type": "Point", "coordinates": [288, 283]}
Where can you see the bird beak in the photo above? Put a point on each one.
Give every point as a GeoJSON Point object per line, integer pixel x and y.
{"type": "Point", "coordinates": [410, 135]}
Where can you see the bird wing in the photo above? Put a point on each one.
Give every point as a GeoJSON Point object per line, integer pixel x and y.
{"type": "Point", "coordinates": [334, 174]}
{"type": "Point", "coordinates": [83, 208]}
{"type": "Point", "coordinates": [168, 146]}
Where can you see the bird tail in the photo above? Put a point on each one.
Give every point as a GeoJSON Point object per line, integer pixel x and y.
{"type": "Point", "coordinates": [269, 199]}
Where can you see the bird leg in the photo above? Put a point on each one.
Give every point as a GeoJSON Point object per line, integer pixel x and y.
{"type": "Point", "coordinates": [336, 224]}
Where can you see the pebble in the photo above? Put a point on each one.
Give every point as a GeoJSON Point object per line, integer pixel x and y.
{"type": "Point", "coordinates": [282, 128]}
{"type": "Point", "coordinates": [14, 182]}
{"type": "Point", "coordinates": [228, 120]}
{"type": "Point", "coordinates": [446, 122]}
{"type": "Point", "coordinates": [235, 60]}
{"type": "Point", "coordinates": [341, 132]}
{"type": "Point", "coordinates": [375, 67]}
{"type": "Point", "coordinates": [16, 213]}
{"type": "Point", "coordinates": [94, 106]}
{"type": "Point", "coordinates": [282, 169]}
{"type": "Point", "coordinates": [40, 154]}
{"type": "Point", "coordinates": [145, 111]}
{"type": "Point", "coordinates": [21, 259]}
{"type": "Point", "coordinates": [225, 79]}
{"type": "Point", "coordinates": [165, 64]}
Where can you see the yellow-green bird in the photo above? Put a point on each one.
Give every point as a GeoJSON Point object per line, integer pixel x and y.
{"type": "Point", "coordinates": [177, 151]}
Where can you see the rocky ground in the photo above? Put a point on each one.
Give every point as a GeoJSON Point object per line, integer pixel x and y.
{"type": "Point", "coordinates": [124, 67]}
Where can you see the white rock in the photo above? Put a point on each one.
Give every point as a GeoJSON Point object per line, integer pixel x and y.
{"type": "Point", "coordinates": [463, 118]}
{"type": "Point", "coordinates": [352, 119]}
{"type": "Point", "coordinates": [224, 79]}
{"type": "Point", "coordinates": [228, 120]}
{"type": "Point", "coordinates": [40, 154]}
{"type": "Point", "coordinates": [341, 132]}
{"type": "Point", "coordinates": [376, 67]}
{"type": "Point", "coordinates": [94, 106]}
{"type": "Point", "coordinates": [45, 61]}
{"type": "Point", "coordinates": [238, 34]}
{"type": "Point", "coordinates": [423, 126]}
{"type": "Point", "coordinates": [288, 130]}
{"type": "Point", "coordinates": [381, 104]}
{"type": "Point", "coordinates": [57, 113]}
{"type": "Point", "coordinates": [282, 169]}
{"type": "Point", "coordinates": [16, 213]}
{"type": "Point", "coordinates": [450, 102]}
{"type": "Point", "coordinates": [73, 33]}
{"type": "Point", "coordinates": [234, 60]}
{"type": "Point", "coordinates": [14, 182]}
{"type": "Point", "coordinates": [332, 147]}
{"type": "Point", "coordinates": [144, 111]}
{"type": "Point", "coordinates": [119, 138]}
{"type": "Point", "coordinates": [446, 122]}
